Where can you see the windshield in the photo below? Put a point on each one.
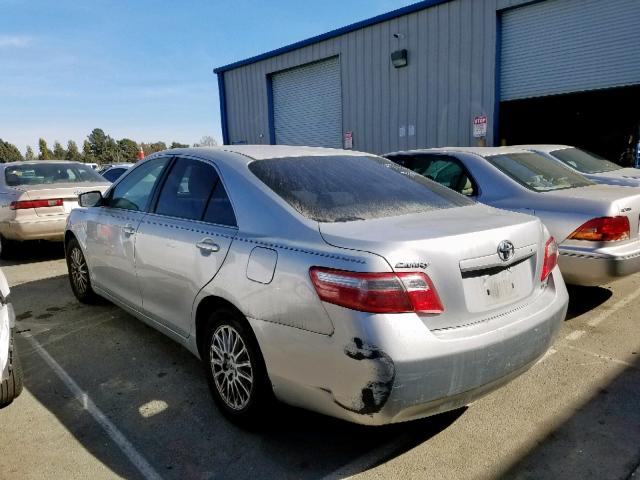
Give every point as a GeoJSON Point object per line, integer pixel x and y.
{"type": "Point", "coordinates": [583, 161]}
{"type": "Point", "coordinates": [45, 173]}
{"type": "Point", "coordinates": [347, 188]}
{"type": "Point", "coordinates": [537, 172]}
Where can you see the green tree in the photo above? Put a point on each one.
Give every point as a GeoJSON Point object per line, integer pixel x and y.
{"type": "Point", "coordinates": [150, 148]}
{"type": "Point", "coordinates": [99, 142]}
{"type": "Point", "coordinates": [29, 155]}
{"type": "Point", "coordinates": [9, 152]}
{"type": "Point", "coordinates": [128, 149]}
{"type": "Point", "coordinates": [45, 153]}
{"type": "Point", "coordinates": [72, 152]}
{"type": "Point", "coordinates": [178, 145]}
{"type": "Point", "coordinates": [87, 153]}
{"type": "Point", "coordinates": [59, 153]}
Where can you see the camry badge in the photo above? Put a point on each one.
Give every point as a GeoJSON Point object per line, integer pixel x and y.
{"type": "Point", "coordinates": [506, 250]}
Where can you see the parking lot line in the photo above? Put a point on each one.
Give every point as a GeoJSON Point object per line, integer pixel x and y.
{"type": "Point", "coordinates": [110, 429]}
{"type": "Point", "coordinates": [617, 306]}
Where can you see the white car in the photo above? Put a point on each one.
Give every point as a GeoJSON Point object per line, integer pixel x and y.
{"type": "Point", "coordinates": [590, 165]}
{"type": "Point", "coordinates": [10, 369]}
{"type": "Point", "coordinates": [36, 198]}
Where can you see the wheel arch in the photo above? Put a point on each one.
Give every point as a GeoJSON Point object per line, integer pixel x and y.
{"type": "Point", "coordinates": [205, 307]}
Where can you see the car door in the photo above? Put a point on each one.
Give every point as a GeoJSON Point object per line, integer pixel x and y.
{"type": "Point", "coordinates": [111, 232]}
{"type": "Point", "coordinates": [182, 243]}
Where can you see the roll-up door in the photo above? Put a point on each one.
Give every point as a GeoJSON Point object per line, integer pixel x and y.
{"type": "Point", "coordinates": [307, 105]}
{"type": "Point", "coordinates": [562, 46]}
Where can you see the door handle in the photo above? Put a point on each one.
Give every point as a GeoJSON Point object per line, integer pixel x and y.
{"type": "Point", "coordinates": [207, 245]}
{"type": "Point", "coordinates": [128, 230]}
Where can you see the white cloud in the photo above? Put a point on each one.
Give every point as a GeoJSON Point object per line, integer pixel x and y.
{"type": "Point", "coordinates": [15, 41]}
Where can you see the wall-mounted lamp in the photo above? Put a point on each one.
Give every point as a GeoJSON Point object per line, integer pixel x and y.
{"type": "Point", "coordinates": [399, 58]}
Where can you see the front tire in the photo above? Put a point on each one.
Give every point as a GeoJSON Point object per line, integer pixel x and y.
{"type": "Point", "coordinates": [12, 386]}
{"type": "Point", "coordinates": [235, 369]}
{"type": "Point", "coordinates": [79, 273]}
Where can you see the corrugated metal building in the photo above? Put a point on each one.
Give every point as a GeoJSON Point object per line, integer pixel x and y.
{"type": "Point", "coordinates": [543, 71]}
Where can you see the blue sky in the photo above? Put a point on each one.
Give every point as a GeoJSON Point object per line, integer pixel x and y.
{"type": "Point", "coordinates": [140, 69]}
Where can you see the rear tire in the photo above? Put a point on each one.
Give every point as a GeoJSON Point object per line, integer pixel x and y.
{"type": "Point", "coordinates": [7, 248]}
{"type": "Point", "coordinates": [235, 369]}
{"type": "Point", "coordinates": [12, 386]}
{"type": "Point", "coordinates": [79, 273]}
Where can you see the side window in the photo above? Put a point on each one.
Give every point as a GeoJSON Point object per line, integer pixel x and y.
{"type": "Point", "coordinates": [219, 209]}
{"type": "Point", "coordinates": [187, 189]}
{"type": "Point", "coordinates": [447, 171]}
{"type": "Point", "coordinates": [134, 192]}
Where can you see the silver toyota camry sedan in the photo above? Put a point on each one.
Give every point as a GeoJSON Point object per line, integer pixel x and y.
{"type": "Point", "coordinates": [590, 165]}
{"type": "Point", "coordinates": [596, 226]}
{"type": "Point", "coordinates": [331, 280]}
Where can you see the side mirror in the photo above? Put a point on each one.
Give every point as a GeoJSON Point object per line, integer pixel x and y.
{"type": "Point", "coordinates": [90, 199]}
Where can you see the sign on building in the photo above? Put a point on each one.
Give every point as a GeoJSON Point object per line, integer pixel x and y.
{"type": "Point", "coordinates": [480, 126]}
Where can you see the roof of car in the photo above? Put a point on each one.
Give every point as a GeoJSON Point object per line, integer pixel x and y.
{"type": "Point", "coordinates": [40, 162]}
{"type": "Point", "coordinates": [262, 152]}
{"type": "Point", "coordinates": [544, 148]}
{"type": "Point", "coordinates": [482, 151]}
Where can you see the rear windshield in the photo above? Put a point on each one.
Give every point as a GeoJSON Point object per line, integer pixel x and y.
{"type": "Point", "coordinates": [583, 161]}
{"type": "Point", "coordinates": [348, 188]}
{"type": "Point", "coordinates": [537, 172]}
{"type": "Point", "coordinates": [45, 173]}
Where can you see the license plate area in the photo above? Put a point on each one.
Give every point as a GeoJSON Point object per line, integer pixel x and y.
{"type": "Point", "coordinates": [492, 288]}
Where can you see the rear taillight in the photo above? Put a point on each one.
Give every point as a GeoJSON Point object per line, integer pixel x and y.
{"type": "Point", "coordinates": [377, 292]}
{"type": "Point", "coordinates": [550, 258]}
{"type": "Point", "coordinates": [603, 229]}
{"type": "Point", "coordinates": [22, 204]}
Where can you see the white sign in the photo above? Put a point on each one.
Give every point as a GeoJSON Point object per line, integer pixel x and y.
{"type": "Point", "coordinates": [348, 140]}
{"type": "Point", "coordinates": [480, 126]}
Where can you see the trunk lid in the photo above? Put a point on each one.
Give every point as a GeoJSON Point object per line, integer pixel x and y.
{"type": "Point", "coordinates": [458, 249]}
{"type": "Point", "coordinates": [68, 192]}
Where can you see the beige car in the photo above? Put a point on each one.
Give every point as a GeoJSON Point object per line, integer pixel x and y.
{"type": "Point", "coordinates": [36, 198]}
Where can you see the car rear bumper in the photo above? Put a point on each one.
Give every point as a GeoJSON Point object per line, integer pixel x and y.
{"type": "Point", "coordinates": [580, 266]}
{"type": "Point", "coordinates": [45, 228]}
{"type": "Point", "coordinates": [379, 369]}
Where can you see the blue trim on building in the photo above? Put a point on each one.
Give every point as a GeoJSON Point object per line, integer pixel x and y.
{"type": "Point", "coordinates": [223, 109]}
{"type": "Point", "coordinates": [334, 33]}
{"type": "Point", "coordinates": [272, 125]}
{"type": "Point", "coordinates": [498, 63]}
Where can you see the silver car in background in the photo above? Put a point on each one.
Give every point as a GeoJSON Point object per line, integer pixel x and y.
{"type": "Point", "coordinates": [115, 171]}
{"type": "Point", "coordinates": [590, 165]}
{"type": "Point", "coordinates": [335, 280]}
{"type": "Point", "coordinates": [596, 226]}
{"type": "Point", "coordinates": [36, 197]}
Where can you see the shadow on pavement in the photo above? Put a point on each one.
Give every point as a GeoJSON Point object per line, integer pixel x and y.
{"type": "Point", "coordinates": [155, 393]}
{"type": "Point", "coordinates": [22, 253]}
{"type": "Point", "coordinates": [591, 443]}
{"type": "Point", "coordinates": [584, 299]}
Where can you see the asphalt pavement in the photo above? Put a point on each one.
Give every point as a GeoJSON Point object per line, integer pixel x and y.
{"type": "Point", "coordinates": [108, 397]}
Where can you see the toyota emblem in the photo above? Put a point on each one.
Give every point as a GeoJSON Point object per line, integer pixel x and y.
{"type": "Point", "coordinates": [506, 250]}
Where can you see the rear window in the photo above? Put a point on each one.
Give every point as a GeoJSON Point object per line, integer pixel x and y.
{"type": "Point", "coordinates": [537, 172]}
{"type": "Point", "coordinates": [348, 188]}
{"type": "Point", "coordinates": [583, 161]}
{"type": "Point", "coordinates": [50, 173]}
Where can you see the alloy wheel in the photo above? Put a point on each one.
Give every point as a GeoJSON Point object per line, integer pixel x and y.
{"type": "Point", "coordinates": [79, 271]}
{"type": "Point", "coordinates": [231, 367]}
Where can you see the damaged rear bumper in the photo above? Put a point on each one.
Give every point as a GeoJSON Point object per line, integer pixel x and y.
{"type": "Point", "coordinates": [379, 369]}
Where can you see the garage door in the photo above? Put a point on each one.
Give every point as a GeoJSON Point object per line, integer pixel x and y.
{"type": "Point", "coordinates": [561, 46]}
{"type": "Point", "coordinates": [307, 105]}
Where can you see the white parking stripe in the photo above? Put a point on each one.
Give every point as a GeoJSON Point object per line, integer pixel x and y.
{"type": "Point", "coordinates": [575, 335]}
{"type": "Point", "coordinates": [617, 306]}
{"type": "Point", "coordinates": [118, 438]}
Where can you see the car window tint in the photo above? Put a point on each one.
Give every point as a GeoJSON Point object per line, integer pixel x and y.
{"type": "Point", "coordinates": [186, 191]}
{"type": "Point", "coordinates": [134, 191]}
{"type": "Point", "coordinates": [583, 161]}
{"type": "Point", "coordinates": [345, 188]}
{"type": "Point", "coordinates": [537, 172]}
{"type": "Point", "coordinates": [219, 209]}
{"type": "Point", "coordinates": [445, 170]}
{"type": "Point", "coordinates": [113, 174]}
